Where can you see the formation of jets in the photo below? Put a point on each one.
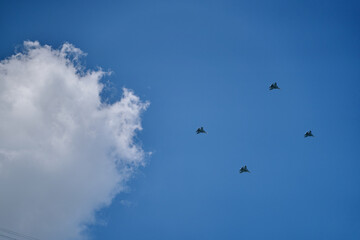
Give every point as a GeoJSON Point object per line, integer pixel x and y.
{"type": "Point", "coordinates": [244, 168]}
{"type": "Point", "coordinates": [200, 130]}
{"type": "Point", "coordinates": [273, 86]}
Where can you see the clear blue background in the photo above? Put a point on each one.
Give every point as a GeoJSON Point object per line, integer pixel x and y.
{"type": "Point", "coordinates": [210, 63]}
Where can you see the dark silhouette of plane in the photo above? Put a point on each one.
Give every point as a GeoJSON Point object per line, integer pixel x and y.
{"type": "Point", "coordinates": [243, 169]}
{"type": "Point", "coordinates": [308, 134]}
{"type": "Point", "coordinates": [200, 130]}
{"type": "Point", "coordinates": [273, 86]}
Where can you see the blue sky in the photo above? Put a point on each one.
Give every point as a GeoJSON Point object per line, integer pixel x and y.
{"type": "Point", "coordinates": [210, 63]}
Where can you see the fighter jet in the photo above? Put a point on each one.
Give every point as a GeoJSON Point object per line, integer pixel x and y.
{"type": "Point", "coordinates": [273, 86]}
{"type": "Point", "coordinates": [243, 169]}
{"type": "Point", "coordinates": [200, 130]}
{"type": "Point", "coordinates": [308, 134]}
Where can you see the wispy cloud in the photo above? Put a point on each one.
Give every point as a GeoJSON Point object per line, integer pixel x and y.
{"type": "Point", "coordinates": [63, 153]}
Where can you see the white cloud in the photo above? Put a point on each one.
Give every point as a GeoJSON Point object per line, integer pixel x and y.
{"type": "Point", "coordinates": [63, 153]}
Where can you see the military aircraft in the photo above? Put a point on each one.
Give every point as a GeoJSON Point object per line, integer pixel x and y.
{"type": "Point", "coordinates": [308, 134]}
{"type": "Point", "coordinates": [200, 130]}
{"type": "Point", "coordinates": [273, 86]}
{"type": "Point", "coordinates": [243, 169]}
